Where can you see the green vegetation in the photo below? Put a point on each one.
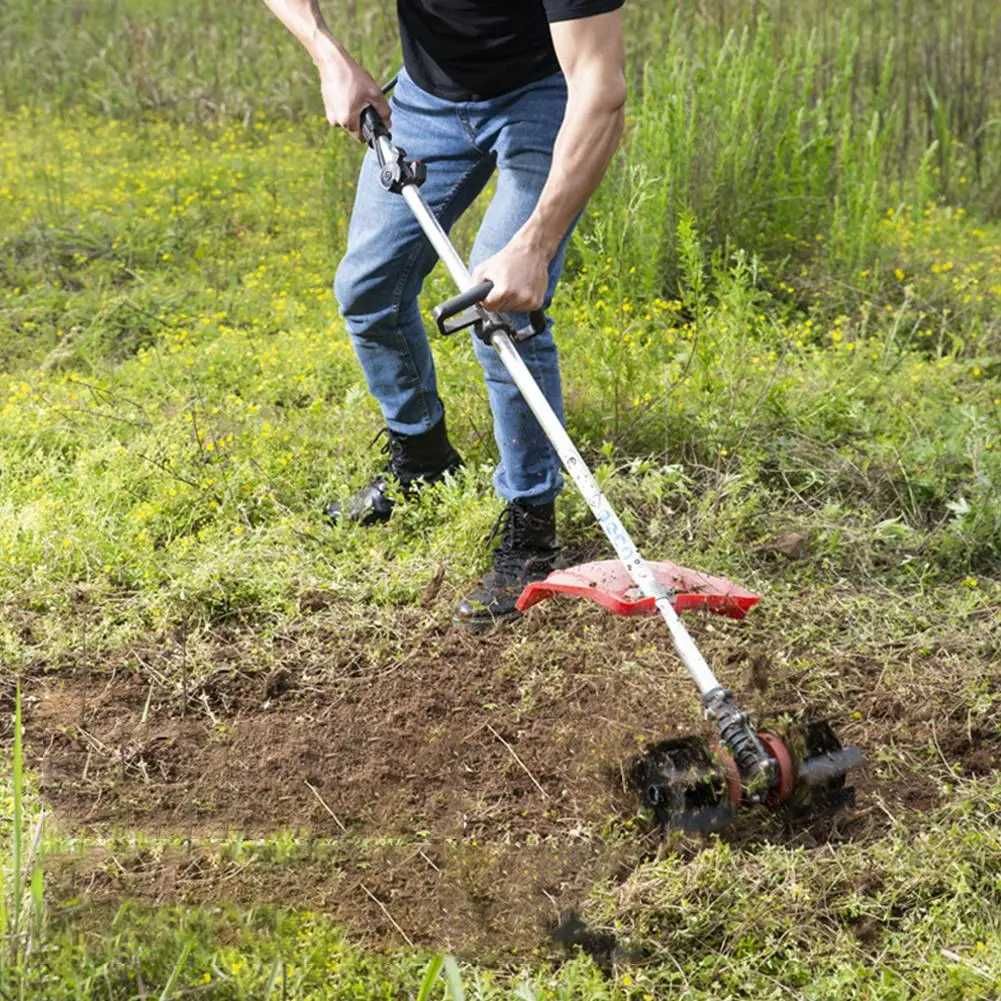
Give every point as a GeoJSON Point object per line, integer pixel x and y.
{"type": "Point", "coordinates": [781, 350]}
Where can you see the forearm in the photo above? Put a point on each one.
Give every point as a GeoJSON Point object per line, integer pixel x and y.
{"type": "Point", "coordinates": [590, 134]}
{"type": "Point", "coordinates": [347, 89]}
{"type": "Point", "coordinates": [304, 20]}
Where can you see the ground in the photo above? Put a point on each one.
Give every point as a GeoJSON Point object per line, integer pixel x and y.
{"type": "Point", "coordinates": [468, 791]}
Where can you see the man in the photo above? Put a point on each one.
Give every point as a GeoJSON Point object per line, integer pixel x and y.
{"type": "Point", "coordinates": [534, 89]}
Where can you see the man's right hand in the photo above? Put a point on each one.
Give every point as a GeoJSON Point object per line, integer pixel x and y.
{"type": "Point", "coordinates": [347, 90]}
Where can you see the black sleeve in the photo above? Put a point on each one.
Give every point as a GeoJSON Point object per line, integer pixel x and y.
{"type": "Point", "coordinates": [571, 10]}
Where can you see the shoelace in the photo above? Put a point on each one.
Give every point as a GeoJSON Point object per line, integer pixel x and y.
{"type": "Point", "coordinates": [390, 447]}
{"type": "Point", "coordinates": [501, 524]}
{"type": "Point", "coordinates": [509, 557]}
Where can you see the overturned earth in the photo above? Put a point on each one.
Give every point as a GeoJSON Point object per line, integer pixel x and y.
{"type": "Point", "coordinates": [462, 791]}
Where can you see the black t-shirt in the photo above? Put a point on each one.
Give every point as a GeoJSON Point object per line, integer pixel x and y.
{"type": "Point", "coordinates": [466, 50]}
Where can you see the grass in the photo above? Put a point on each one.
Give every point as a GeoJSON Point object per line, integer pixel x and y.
{"type": "Point", "coordinates": [22, 888]}
{"type": "Point", "coordinates": [157, 392]}
{"type": "Point", "coordinates": [909, 917]}
{"type": "Point", "coordinates": [780, 322]}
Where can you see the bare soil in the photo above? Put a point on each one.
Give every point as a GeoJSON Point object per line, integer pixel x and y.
{"type": "Point", "coordinates": [467, 793]}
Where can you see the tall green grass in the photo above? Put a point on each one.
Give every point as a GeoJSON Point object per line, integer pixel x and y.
{"type": "Point", "coordinates": [786, 129]}
{"type": "Point", "coordinates": [22, 887]}
{"type": "Point", "coordinates": [441, 966]}
{"type": "Point", "coordinates": [789, 142]}
{"type": "Point", "coordinates": [195, 62]}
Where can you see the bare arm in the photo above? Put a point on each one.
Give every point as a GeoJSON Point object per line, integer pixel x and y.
{"type": "Point", "coordinates": [592, 56]}
{"type": "Point", "coordinates": [347, 89]}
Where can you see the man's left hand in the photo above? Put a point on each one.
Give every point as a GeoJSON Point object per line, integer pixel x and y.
{"type": "Point", "coordinates": [520, 274]}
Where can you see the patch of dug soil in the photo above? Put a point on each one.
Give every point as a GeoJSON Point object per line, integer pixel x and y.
{"type": "Point", "coordinates": [495, 761]}
{"type": "Point", "coordinates": [472, 787]}
{"type": "Point", "coordinates": [455, 742]}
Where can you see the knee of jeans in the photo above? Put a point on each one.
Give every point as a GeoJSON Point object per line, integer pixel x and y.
{"type": "Point", "coordinates": [346, 289]}
{"type": "Point", "coordinates": [359, 292]}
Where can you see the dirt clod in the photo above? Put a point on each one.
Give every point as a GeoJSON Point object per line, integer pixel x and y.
{"type": "Point", "coordinates": [791, 545]}
{"type": "Point", "coordinates": [277, 683]}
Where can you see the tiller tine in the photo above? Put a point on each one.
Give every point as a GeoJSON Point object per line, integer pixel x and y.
{"type": "Point", "coordinates": [818, 761]}
{"type": "Point", "coordinates": [686, 786]}
{"type": "Point", "coordinates": [696, 788]}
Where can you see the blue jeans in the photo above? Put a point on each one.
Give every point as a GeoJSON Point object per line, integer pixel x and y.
{"type": "Point", "coordinates": [388, 258]}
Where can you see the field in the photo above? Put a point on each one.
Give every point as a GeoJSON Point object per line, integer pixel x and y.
{"type": "Point", "coordinates": [245, 755]}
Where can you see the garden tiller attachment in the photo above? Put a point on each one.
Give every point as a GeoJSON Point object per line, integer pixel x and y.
{"type": "Point", "coordinates": [686, 782]}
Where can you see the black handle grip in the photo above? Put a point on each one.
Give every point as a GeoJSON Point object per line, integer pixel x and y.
{"type": "Point", "coordinates": [471, 297]}
{"type": "Point", "coordinates": [537, 318]}
{"type": "Point", "coordinates": [372, 125]}
{"type": "Point", "coordinates": [462, 301]}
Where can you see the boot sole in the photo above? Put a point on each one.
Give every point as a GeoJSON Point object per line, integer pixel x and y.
{"type": "Point", "coordinates": [486, 623]}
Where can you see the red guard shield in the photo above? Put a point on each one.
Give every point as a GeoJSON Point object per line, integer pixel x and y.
{"type": "Point", "coordinates": [608, 583]}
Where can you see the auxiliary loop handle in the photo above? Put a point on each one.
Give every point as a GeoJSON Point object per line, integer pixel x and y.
{"type": "Point", "coordinates": [473, 297]}
{"type": "Point", "coordinates": [461, 302]}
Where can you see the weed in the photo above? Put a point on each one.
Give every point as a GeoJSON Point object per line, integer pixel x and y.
{"type": "Point", "coordinates": [22, 889]}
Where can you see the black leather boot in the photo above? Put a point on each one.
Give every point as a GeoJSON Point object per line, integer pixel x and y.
{"type": "Point", "coordinates": [413, 461]}
{"type": "Point", "coordinates": [527, 552]}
